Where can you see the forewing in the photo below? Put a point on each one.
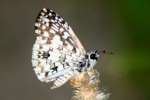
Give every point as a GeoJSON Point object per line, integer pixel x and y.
{"type": "Point", "coordinates": [57, 49]}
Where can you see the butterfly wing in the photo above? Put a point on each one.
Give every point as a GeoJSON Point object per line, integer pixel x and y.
{"type": "Point", "coordinates": [57, 50]}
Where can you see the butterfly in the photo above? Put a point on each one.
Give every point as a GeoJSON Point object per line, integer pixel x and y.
{"type": "Point", "coordinates": [57, 54]}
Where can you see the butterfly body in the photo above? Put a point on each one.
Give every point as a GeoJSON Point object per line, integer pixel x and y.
{"type": "Point", "coordinates": [57, 54]}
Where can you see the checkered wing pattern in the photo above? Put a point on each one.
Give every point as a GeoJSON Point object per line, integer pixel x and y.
{"type": "Point", "coordinates": [57, 50]}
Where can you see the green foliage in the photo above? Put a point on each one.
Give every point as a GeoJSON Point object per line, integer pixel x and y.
{"type": "Point", "coordinates": [136, 59]}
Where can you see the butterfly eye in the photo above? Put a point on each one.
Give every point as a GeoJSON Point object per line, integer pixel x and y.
{"type": "Point", "coordinates": [93, 56]}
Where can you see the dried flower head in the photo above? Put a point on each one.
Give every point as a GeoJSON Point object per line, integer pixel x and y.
{"type": "Point", "coordinates": [87, 86]}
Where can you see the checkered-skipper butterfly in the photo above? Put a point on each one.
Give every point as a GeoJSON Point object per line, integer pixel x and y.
{"type": "Point", "coordinates": [57, 54]}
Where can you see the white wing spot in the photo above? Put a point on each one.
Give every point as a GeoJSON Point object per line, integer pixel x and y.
{"type": "Point", "coordinates": [37, 31]}
{"type": "Point", "coordinates": [66, 35]}
{"type": "Point", "coordinates": [45, 34]}
{"type": "Point", "coordinates": [52, 31]}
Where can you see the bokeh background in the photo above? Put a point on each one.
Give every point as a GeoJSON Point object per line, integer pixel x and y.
{"type": "Point", "coordinates": [121, 26]}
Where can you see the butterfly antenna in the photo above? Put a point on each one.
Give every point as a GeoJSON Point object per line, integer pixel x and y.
{"type": "Point", "coordinates": [106, 52]}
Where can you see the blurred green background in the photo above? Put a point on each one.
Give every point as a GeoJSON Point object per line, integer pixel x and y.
{"type": "Point", "coordinates": [119, 26]}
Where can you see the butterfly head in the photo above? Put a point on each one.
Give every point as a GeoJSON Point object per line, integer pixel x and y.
{"type": "Point", "coordinates": [92, 58]}
{"type": "Point", "coordinates": [94, 55]}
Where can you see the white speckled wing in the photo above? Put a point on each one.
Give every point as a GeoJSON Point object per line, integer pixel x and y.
{"type": "Point", "coordinates": [57, 50]}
